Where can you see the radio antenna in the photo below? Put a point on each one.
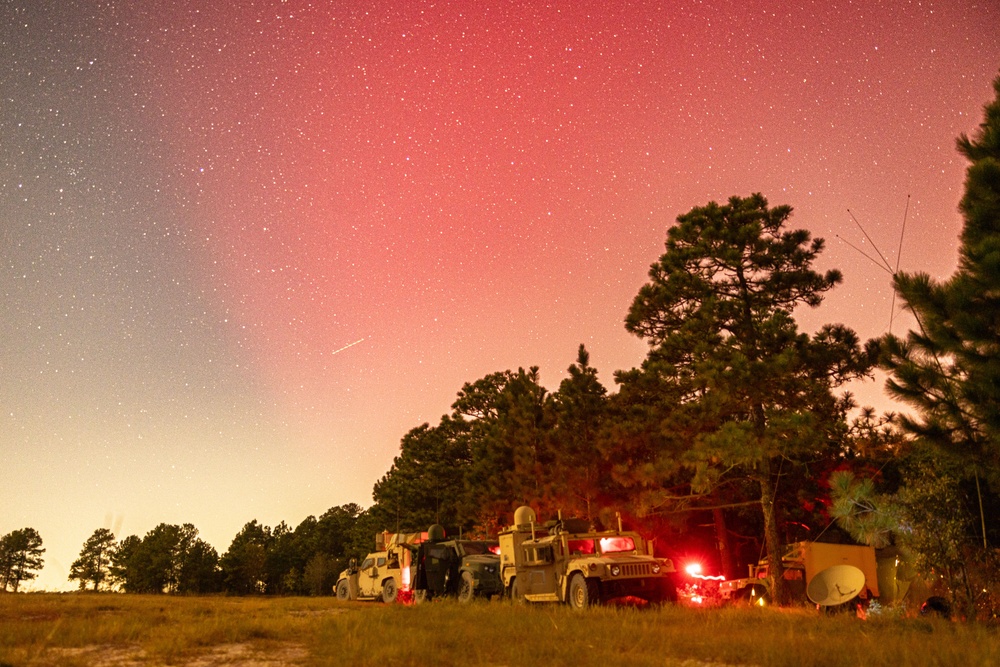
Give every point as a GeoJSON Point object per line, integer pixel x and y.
{"type": "Point", "coordinates": [866, 255]}
{"type": "Point", "coordinates": [884, 263]}
{"type": "Point", "coordinates": [899, 253]}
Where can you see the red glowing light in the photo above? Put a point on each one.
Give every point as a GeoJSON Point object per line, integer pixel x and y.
{"type": "Point", "coordinates": [694, 570]}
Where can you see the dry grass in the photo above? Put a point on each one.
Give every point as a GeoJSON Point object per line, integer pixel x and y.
{"type": "Point", "coordinates": [122, 631]}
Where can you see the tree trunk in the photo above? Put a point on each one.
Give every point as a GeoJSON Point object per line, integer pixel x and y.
{"type": "Point", "coordinates": [775, 569]}
{"type": "Point", "coordinates": [722, 538]}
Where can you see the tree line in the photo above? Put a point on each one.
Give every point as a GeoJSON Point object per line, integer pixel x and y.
{"type": "Point", "coordinates": [733, 437]}
{"type": "Point", "coordinates": [260, 560]}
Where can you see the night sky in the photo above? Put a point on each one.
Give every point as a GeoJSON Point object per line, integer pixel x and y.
{"type": "Point", "coordinates": [245, 247]}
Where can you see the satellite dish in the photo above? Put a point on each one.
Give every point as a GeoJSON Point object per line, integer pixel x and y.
{"type": "Point", "coordinates": [524, 516]}
{"type": "Point", "coordinates": [836, 585]}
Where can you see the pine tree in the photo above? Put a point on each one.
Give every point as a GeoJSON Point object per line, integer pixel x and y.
{"type": "Point", "coordinates": [94, 562]}
{"type": "Point", "coordinates": [580, 408]}
{"type": "Point", "coordinates": [508, 419]}
{"type": "Point", "coordinates": [426, 481]}
{"type": "Point", "coordinates": [949, 369]}
{"type": "Point", "coordinates": [20, 555]}
{"type": "Point", "coordinates": [751, 391]}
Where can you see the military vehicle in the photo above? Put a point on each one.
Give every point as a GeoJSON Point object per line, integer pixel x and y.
{"type": "Point", "coordinates": [804, 561]}
{"type": "Point", "coordinates": [464, 569]}
{"type": "Point", "coordinates": [383, 573]}
{"type": "Point", "coordinates": [567, 561]}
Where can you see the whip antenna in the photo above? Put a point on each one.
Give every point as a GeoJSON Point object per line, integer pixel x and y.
{"type": "Point", "coordinates": [884, 262]}
{"type": "Point", "coordinates": [899, 254]}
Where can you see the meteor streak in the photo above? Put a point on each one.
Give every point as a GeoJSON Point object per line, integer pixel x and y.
{"type": "Point", "coordinates": [360, 340]}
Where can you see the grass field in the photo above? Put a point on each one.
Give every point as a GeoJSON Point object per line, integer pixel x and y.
{"type": "Point", "coordinates": [121, 631]}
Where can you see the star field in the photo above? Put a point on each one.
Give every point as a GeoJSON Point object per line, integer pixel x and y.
{"type": "Point", "coordinates": [246, 246]}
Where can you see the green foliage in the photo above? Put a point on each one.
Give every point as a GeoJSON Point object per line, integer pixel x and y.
{"type": "Point", "coordinates": [125, 565]}
{"type": "Point", "coordinates": [508, 442]}
{"type": "Point", "coordinates": [362, 534]}
{"type": "Point", "coordinates": [525, 426]}
{"type": "Point", "coordinates": [320, 575]}
{"type": "Point", "coordinates": [199, 568]}
{"type": "Point", "coordinates": [20, 556]}
{"type": "Point", "coordinates": [169, 559]}
{"type": "Point", "coordinates": [508, 418]}
{"type": "Point", "coordinates": [95, 559]}
{"type": "Point", "coordinates": [866, 516]}
{"type": "Point", "coordinates": [303, 561]}
{"type": "Point", "coordinates": [333, 529]}
{"type": "Point", "coordinates": [868, 473]}
{"type": "Point", "coordinates": [930, 505]}
{"type": "Point", "coordinates": [283, 563]}
{"type": "Point", "coordinates": [334, 535]}
{"type": "Point", "coordinates": [642, 451]}
{"type": "Point", "coordinates": [244, 565]}
{"type": "Point", "coordinates": [580, 410]}
{"type": "Point", "coordinates": [939, 528]}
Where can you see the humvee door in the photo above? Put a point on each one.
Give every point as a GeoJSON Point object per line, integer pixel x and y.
{"type": "Point", "coordinates": [371, 575]}
{"type": "Point", "coordinates": [539, 572]}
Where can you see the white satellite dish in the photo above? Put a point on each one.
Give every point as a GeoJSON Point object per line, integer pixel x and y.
{"type": "Point", "coordinates": [836, 585]}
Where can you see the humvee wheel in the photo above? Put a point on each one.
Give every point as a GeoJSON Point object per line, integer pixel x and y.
{"type": "Point", "coordinates": [343, 590]}
{"type": "Point", "coordinates": [389, 591]}
{"type": "Point", "coordinates": [515, 593]}
{"type": "Point", "coordinates": [582, 593]}
{"type": "Point", "coordinates": [466, 587]}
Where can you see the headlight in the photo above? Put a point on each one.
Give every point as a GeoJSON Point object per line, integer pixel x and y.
{"type": "Point", "coordinates": [615, 570]}
{"type": "Point", "coordinates": [656, 568]}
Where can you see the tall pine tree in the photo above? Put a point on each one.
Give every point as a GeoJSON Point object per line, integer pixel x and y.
{"type": "Point", "coordinates": [949, 368]}
{"type": "Point", "coordinates": [94, 562]}
{"type": "Point", "coordinates": [751, 390]}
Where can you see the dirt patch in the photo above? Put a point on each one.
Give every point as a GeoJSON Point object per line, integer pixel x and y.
{"type": "Point", "coordinates": [99, 656]}
{"type": "Point", "coordinates": [244, 654]}
{"type": "Point", "coordinates": [226, 654]}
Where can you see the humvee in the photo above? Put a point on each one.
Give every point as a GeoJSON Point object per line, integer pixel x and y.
{"type": "Point", "coordinates": [383, 573]}
{"type": "Point", "coordinates": [379, 577]}
{"type": "Point", "coordinates": [567, 561]}
{"type": "Point", "coordinates": [464, 569]}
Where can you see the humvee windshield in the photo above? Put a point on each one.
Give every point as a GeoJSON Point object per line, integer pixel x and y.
{"type": "Point", "coordinates": [581, 547]}
{"type": "Point", "coordinates": [478, 548]}
{"type": "Point", "coordinates": [617, 544]}
{"type": "Point", "coordinates": [368, 563]}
